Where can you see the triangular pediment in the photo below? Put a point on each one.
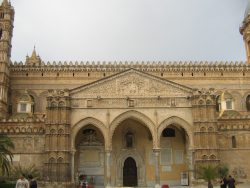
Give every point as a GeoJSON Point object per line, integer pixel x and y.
{"type": "Point", "coordinates": [131, 83]}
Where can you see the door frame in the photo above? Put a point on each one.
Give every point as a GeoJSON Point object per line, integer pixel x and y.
{"type": "Point", "coordinates": [140, 164]}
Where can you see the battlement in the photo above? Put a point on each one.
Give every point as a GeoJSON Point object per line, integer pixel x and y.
{"type": "Point", "coordinates": [149, 65]}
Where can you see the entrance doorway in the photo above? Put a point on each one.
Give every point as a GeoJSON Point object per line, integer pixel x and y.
{"type": "Point", "coordinates": [129, 173]}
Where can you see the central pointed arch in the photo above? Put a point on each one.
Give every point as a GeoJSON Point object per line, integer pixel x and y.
{"type": "Point", "coordinates": [135, 115]}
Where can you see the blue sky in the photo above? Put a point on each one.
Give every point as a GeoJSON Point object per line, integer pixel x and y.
{"type": "Point", "coordinates": [129, 30]}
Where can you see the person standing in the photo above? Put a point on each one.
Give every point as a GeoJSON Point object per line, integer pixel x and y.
{"type": "Point", "coordinates": [231, 182]}
{"type": "Point", "coordinates": [22, 182]}
{"type": "Point", "coordinates": [223, 182]}
{"type": "Point", "coordinates": [33, 183]}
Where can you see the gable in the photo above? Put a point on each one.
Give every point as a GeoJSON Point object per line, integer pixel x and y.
{"type": "Point", "coordinates": [131, 83]}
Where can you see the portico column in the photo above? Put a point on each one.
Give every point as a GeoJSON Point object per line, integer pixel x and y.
{"type": "Point", "coordinates": [108, 165]}
{"type": "Point", "coordinates": [191, 165]}
{"type": "Point", "coordinates": [157, 166]}
{"type": "Point", "coordinates": [73, 166]}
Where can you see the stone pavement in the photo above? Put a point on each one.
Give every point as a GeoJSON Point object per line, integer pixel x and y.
{"type": "Point", "coordinates": [241, 185]}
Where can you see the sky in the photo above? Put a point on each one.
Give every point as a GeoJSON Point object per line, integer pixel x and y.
{"type": "Point", "coordinates": [129, 30]}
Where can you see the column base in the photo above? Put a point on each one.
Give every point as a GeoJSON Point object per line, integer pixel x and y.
{"type": "Point", "coordinates": [157, 186]}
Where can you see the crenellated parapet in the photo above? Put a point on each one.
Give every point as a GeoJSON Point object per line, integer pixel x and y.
{"type": "Point", "coordinates": [111, 66]}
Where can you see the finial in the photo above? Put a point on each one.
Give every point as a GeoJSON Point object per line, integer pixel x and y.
{"type": "Point", "coordinates": [34, 52]}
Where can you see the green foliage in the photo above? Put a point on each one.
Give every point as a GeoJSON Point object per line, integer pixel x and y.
{"type": "Point", "coordinates": [25, 170]}
{"type": "Point", "coordinates": [208, 173]}
{"type": "Point", "coordinates": [6, 145]}
{"type": "Point", "coordinates": [223, 170]}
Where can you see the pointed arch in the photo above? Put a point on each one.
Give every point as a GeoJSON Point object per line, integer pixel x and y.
{"type": "Point", "coordinates": [87, 121]}
{"type": "Point", "coordinates": [121, 158]}
{"type": "Point", "coordinates": [135, 115]}
{"type": "Point", "coordinates": [176, 121]}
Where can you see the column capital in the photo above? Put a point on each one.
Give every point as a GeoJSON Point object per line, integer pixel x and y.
{"type": "Point", "coordinates": [73, 151]}
{"type": "Point", "coordinates": [108, 151]}
{"type": "Point", "coordinates": [156, 150]}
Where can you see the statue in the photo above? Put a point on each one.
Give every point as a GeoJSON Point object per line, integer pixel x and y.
{"type": "Point", "coordinates": [129, 139]}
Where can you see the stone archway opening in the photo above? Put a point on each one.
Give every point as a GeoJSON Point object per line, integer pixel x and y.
{"type": "Point", "coordinates": [174, 155]}
{"type": "Point", "coordinates": [130, 173]}
{"type": "Point", "coordinates": [131, 141]}
{"type": "Point", "coordinates": [89, 156]}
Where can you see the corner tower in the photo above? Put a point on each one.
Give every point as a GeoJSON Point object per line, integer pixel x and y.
{"type": "Point", "coordinates": [6, 29]}
{"type": "Point", "coordinates": [245, 31]}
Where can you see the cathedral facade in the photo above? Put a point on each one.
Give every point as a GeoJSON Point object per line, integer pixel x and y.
{"type": "Point", "coordinates": [124, 123]}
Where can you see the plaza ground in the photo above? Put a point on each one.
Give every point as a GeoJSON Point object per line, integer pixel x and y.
{"type": "Point", "coordinates": [240, 185]}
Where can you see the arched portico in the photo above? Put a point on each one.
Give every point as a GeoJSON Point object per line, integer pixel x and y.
{"type": "Point", "coordinates": [176, 121]}
{"type": "Point", "coordinates": [132, 135]}
{"type": "Point", "coordinates": [88, 121]}
{"type": "Point", "coordinates": [88, 141]}
{"type": "Point", "coordinates": [134, 115]}
{"type": "Point", "coordinates": [175, 139]}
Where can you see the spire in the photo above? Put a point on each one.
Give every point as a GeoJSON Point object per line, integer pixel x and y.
{"type": "Point", "coordinates": [34, 53]}
{"type": "Point", "coordinates": [5, 3]}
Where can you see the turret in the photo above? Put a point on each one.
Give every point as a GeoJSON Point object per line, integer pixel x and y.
{"type": "Point", "coordinates": [245, 31]}
{"type": "Point", "coordinates": [6, 29]}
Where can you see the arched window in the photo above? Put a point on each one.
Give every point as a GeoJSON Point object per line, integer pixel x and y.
{"type": "Point", "coordinates": [248, 103]}
{"type": "Point", "coordinates": [224, 102]}
{"type": "Point", "coordinates": [212, 157]}
{"type": "Point", "coordinates": [53, 104]}
{"type": "Point", "coordinates": [60, 169]}
{"type": "Point", "coordinates": [203, 129]}
{"type": "Point", "coordinates": [234, 144]}
{"type": "Point", "coordinates": [25, 103]}
{"type": "Point", "coordinates": [61, 104]}
{"type": "Point", "coordinates": [229, 104]}
{"type": "Point", "coordinates": [204, 157]}
{"type": "Point", "coordinates": [51, 169]}
{"type": "Point", "coordinates": [210, 129]}
{"type": "Point", "coordinates": [228, 101]}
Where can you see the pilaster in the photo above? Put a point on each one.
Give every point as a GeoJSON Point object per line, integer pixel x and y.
{"type": "Point", "coordinates": [205, 126]}
{"type": "Point", "coordinates": [57, 137]}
